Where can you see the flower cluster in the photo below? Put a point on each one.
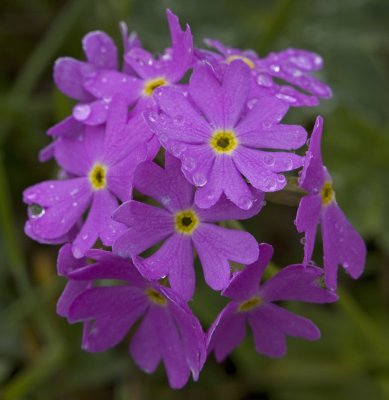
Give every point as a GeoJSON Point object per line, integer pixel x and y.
{"type": "Point", "coordinates": [151, 162]}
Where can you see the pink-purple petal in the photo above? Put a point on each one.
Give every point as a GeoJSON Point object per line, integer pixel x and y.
{"type": "Point", "coordinates": [100, 50]}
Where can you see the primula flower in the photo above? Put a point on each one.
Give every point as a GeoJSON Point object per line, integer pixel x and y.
{"type": "Point", "coordinates": [217, 137]}
{"type": "Point", "coordinates": [168, 330]}
{"type": "Point", "coordinates": [291, 65]}
{"type": "Point", "coordinates": [101, 162]}
{"type": "Point", "coordinates": [342, 244]}
{"type": "Point", "coordinates": [149, 74]}
{"type": "Point", "coordinates": [183, 227]}
{"type": "Point", "coordinates": [254, 303]}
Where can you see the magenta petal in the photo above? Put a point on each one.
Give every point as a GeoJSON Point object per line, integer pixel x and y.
{"type": "Point", "coordinates": [224, 177]}
{"type": "Point", "coordinates": [271, 324]}
{"type": "Point", "coordinates": [100, 50]}
{"type": "Point", "coordinates": [245, 284]}
{"type": "Point", "coordinates": [216, 246]}
{"type": "Point", "coordinates": [47, 152]}
{"type": "Point", "coordinates": [94, 113]}
{"type": "Point", "coordinates": [145, 347]}
{"type": "Point", "coordinates": [108, 328]}
{"type": "Point", "coordinates": [63, 203]}
{"type": "Point", "coordinates": [207, 93]}
{"type": "Point", "coordinates": [71, 291]}
{"type": "Point", "coordinates": [168, 186]}
{"type": "Point", "coordinates": [260, 167]}
{"type": "Point", "coordinates": [68, 78]}
{"type": "Point", "coordinates": [68, 126]}
{"type": "Point", "coordinates": [342, 245]}
{"type": "Point", "coordinates": [182, 49]}
{"type": "Point", "coordinates": [148, 225]}
{"type": "Point", "coordinates": [225, 209]}
{"type": "Point", "coordinates": [307, 219]}
{"type": "Point", "coordinates": [106, 84]}
{"type": "Point", "coordinates": [236, 87]}
{"type": "Point", "coordinates": [297, 283]}
{"type": "Point", "coordinates": [226, 332]}
{"type": "Point", "coordinates": [313, 174]}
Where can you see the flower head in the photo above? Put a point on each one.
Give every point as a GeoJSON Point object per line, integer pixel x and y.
{"type": "Point", "coordinates": [342, 244]}
{"type": "Point", "coordinates": [292, 66]}
{"type": "Point", "coordinates": [168, 330]}
{"type": "Point", "coordinates": [182, 227]}
{"type": "Point", "coordinates": [217, 137]}
{"type": "Point", "coordinates": [100, 162]}
{"type": "Point", "coordinates": [254, 303]}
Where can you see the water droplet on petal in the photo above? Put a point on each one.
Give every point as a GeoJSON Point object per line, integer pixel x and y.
{"type": "Point", "coordinates": [303, 240]}
{"type": "Point", "coordinates": [269, 160]}
{"type": "Point", "coordinates": [251, 103]}
{"type": "Point", "coordinates": [85, 236]}
{"type": "Point", "coordinates": [245, 203]}
{"type": "Point", "coordinates": [199, 179]}
{"type": "Point", "coordinates": [164, 140]}
{"type": "Point", "coordinates": [165, 200]}
{"type": "Point", "coordinates": [286, 97]}
{"type": "Point", "coordinates": [281, 178]}
{"type": "Point", "coordinates": [270, 184]}
{"type": "Point", "coordinates": [287, 164]}
{"type": "Point", "coordinates": [264, 80]}
{"type": "Point", "coordinates": [275, 68]}
{"type": "Point", "coordinates": [75, 204]}
{"type": "Point", "coordinates": [188, 163]}
{"type": "Point", "coordinates": [152, 117]}
{"type": "Point", "coordinates": [266, 124]}
{"type": "Point", "coordinates": [81, 112]}
{"type": "Point", "coordinates": [36, 211]}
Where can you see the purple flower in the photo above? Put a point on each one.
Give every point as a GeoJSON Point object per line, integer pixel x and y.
{"type": "Point", "coordinates": [168, 330]}
{"type": "Point", "coordinates": [342, 245]}
{"type": "Point", "coordinates": [292, 66]}
{"type": "Point", "coordinates": [149, 73]}
{"type": "Point", "coordinates": [183, 227]}
{"type": "Point", "coordinates": [100, 162]}
{"type": "Point", "coordinates": [217, 136]}
{"type": "Point", "coordinates": [254, 303]}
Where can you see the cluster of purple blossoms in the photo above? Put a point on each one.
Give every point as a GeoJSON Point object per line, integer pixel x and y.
{"type": "Point", "coordinates": [151, 162]}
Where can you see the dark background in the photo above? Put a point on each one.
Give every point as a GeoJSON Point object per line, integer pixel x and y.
{"type": "Point", "coordinates": [39, 352]}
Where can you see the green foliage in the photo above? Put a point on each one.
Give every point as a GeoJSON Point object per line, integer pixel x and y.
{"type": "Point", "coordinates": [39, 352]}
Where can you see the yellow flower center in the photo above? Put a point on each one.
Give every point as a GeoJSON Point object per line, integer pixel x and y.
{"type": "Point", "coordinates": [327, 194]}
{"type": "Point", "coordinates": [250, 304]}
{"type": "Point", "coordinates": [152, 84]}
{"type": "Point", "coordinates": [246, 60]}
{"type": "Point", "coordinates": [224, 142]}
{"type": "Point", "coordinates": [186, 222]}
{"type": "Point", "coordinates": [155, 297]}
{"type": "Point", "coordinates": [98, 177]}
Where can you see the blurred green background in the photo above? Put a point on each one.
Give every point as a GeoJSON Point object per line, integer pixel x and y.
{"type": "Point", "coordinates": [39, 352]}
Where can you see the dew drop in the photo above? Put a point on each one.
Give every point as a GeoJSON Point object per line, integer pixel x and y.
{"type": "Point", "coordinates": [251, 103]}
{"type": "Point", "coordinates": [188, 163]}
{"type": "Point", "coordinates": [266, 124]}
{"type": "Point", "coordinates": [281, 178]}
{"type": "Point", "coordinates": [287, 164]}
{"type": "Point", "coordinates": [104, 79]}
{"type": "Point", "coordinates": [269, 160]}
{"type": "Point", "coordinates": [152, 117]}
{"type": "Point", "coordinates": [275, 68]}
{"type": "Point", "coordinates": [36, 211]}
{"type": "Point", "coordinates": [346, 265]}
{"type": "Point", "coordinates": [74, 204]}
{"type": "Point", "coordinates": [199, 179]}
{"type": "Point", "coordinates": [264, 80]}
{"type": "Point", "coordinates": [245, 203]}
{"type": "Point", "coordinates": [163, 139]}
{"type": "Point", "coordinates": [270, 184]}
{"type": "Point", "coordinates": [51, 186]}
{"type": "Point", "coordinates": [286, 97]}
{"type": "Point", "coordinates": [85, 236]}
{"type": "Point", "coordinates": [302, 240]}
{"type": "Point", "coordinates": [165, 200]}
{"type": "Point", "coordinates": [81, 112]}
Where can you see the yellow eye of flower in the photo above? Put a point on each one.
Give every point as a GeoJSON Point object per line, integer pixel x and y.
{"type": "Point", "coordinates": [155, 297]}
{"type": "Point", "coordinates": [224, 142]}
{"type": "Point", "coordinates": [186, 222]}
{"type": "Point", "coordinates": [327, 193]}
{"type": "Point", "coordinates": [152, 84]}
{"type": "Point", "coordinates": [98, 177]}
{"type": "Point", "coordinates": [246, 60]}
{"type": "Point", "coordinates": [250, 304]}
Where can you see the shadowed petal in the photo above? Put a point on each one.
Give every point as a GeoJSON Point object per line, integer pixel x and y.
{"type": "Point", "coordinates": [307, 219]}
{"type": "Point", "coordinates": [216, 246]}
{"type": "Point", "coordinates": [226, 332]}
{"type": "Point", "coordinates": [342, 245]}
